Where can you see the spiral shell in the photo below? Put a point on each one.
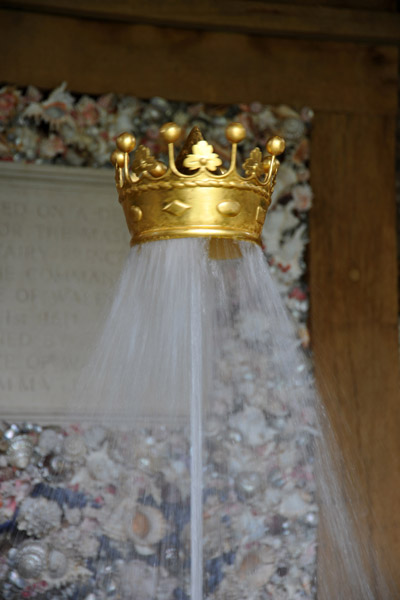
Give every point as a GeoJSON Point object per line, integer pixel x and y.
{"type": "Point", "coordinates": [38, 516]}
{"type": "Point", "coordinates": [57, 564]}
{"type": "Point", "coordinates": [19, 451]}
{"type": "Point", "coordinates": [31, 559]}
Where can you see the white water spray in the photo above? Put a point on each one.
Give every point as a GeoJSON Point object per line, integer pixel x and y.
{"type": "Point", "coordinates": [204, 350]}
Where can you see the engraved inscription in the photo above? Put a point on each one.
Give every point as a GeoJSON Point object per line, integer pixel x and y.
{"type": "Point", "coordinates": [62, 248]}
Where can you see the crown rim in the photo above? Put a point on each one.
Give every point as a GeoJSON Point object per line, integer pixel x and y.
{"type": "Point", "coordinates": [224, 204]}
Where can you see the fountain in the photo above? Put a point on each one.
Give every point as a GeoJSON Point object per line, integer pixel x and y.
{"type": "Point", "coordinates": [197, 403]}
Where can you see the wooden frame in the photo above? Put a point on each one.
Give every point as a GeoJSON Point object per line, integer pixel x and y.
{"type": "Point", "coordinates": [352, 86]}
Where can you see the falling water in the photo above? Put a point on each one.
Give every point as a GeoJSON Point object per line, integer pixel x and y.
{"type": "Point", "coordinates": [181, 330]}
{"type": "Point", "coordinates": [207, 443]}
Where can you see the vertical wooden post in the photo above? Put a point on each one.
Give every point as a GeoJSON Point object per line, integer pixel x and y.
{"type": "Point", "coordinates": [354, 308]}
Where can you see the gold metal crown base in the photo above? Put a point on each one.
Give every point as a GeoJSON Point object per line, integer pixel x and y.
{"type": "Point", "coordinates": [195, 232]}
{"type": "Point", "coordinates": [195, 196]}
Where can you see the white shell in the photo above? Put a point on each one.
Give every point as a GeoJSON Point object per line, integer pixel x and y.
{"type": "Point", "coordinates": [38, 516]}
{"type": "Point", "coordinates": [74, 448]}
{"type": "Point", "coordinates": [57, 564]}
{"type": "Point", "coordinates": [156, 526]}
{"type": "Point", "coordinates": [31, 559]}
{"type": "Point", "coordinates": [101, 467]}
{"type": "Point", "coordinates": [20, 451]}
{"type": "Point", "coordinates": [49, 441]}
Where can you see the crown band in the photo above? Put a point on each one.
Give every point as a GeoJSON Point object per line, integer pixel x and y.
{"type": "Point", "coordinates": [194, 196]}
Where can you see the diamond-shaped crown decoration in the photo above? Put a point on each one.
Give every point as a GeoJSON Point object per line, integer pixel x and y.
{"type": "Point", "coordinates": [194, 196]}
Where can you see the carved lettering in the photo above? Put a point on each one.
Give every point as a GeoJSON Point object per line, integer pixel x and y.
{"type": "Point", "coordinates": [61, 252]}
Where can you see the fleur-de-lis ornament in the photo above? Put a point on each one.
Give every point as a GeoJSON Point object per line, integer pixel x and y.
{"type": "Point", "coordinates": [203, 155]}
{"type": "Point", "coordinates": [144, 160]}
{"type": "Point", "coordinates": [253, 165]}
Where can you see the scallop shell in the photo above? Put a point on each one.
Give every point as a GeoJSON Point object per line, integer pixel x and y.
{"type": "Point", "coordinates": [31, 559]}
{"type": "Point", "coordinates": [19, 451]}
{"type": "Point", "coordinates": [73, 574]}
{"type": "Point", "coordinates": [116, 521]}
{"type": "Point", "coordinates": [57, 564]}
{"type": "Point", "coordinates": [74, 448]}
{"type": "Point", "coordinates": [148, 526]}
{"type": "Point", "coordinates": [38, 516]}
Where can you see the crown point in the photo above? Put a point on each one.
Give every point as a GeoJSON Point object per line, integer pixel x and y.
{"type": "Point", "coordinates": [276, 145]}
{"type": "Point", "coordinates": [171, 132]}
{"type": "Point", "coordinates": [117, 158]}
{"type": "Point", "coordinates": [158, 170]}
{"type": "Point", "coordinates": [235, 133]}
{"type": "Point", "coordinates": [126, 142]}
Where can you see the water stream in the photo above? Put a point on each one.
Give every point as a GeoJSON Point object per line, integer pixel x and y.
{"type": "Point", "coordinates": [202, 451]}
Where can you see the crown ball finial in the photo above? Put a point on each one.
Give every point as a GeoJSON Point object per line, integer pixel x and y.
{"type": "Point", "coordinates": [276, 145]}
{"type": "Point", "coordinates": [126, 142]}
{"type": "Point", "coordinates": [170, 132]}
{"type": "Point", "coordinates": [118, 158]}
{"type": "Point", "coordinates": [235, 133]}
{"type": "Point", "coordinates": [159, 169]}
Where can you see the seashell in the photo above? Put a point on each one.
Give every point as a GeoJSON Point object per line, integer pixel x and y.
{"type": "Point", "coordinates": [73, 515]}
{"type": "Point", "coordinates": [74, 448]}
{"type": "Point", "coordinates": [88, 546]}
{"type": "Point", "coordinates": [20, 451]}
{"type": "Point", "coordinates": [292, 129]}
{"type": "Point", "coordinates": [249, 564]}
{"type": "Point", "coordinates": [294, 506]}
{"type": "Point", "coordinates": [11, 432]}
{"type": "Point", "coordinates": [138, 577]}
{"type": "Point", "coordinates": [248, 483]}
{"type": "Point", "coordinates": [101, 467]}
{"type": "Point", "coordinates": [31, 559]}
{"type": "Point", "coordinates": [140, 525]}
{"type": "Point", "coordinates": [58, 468]}
{"type": "Point", "coordinates": [72, 575]}
{"type": "Point", "coordinates": [67, 539]}
{"type": "Point", "coordinates": [57, 564]}
{"type": "Point", "coordinates": [144, 550]}
{"type": "Point", "coordinates": [38, 516]}
{"type": "Point", "coordinates": [49, 441]}
{"type": "Point", "coordinates": [117, 521]}
{"type": "Point", "coordinates": [122, 448]}
{"type": "Point", "coordinates": [252, 425]}
{"type": "Point", "coordinates": [95, 436]}
{"type": "Point", "coordinates": [148, 525]}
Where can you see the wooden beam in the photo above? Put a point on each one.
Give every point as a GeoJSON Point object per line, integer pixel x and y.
{"type": "Point", "coordinates": [142, 60]}
{"type": "Point", "coordinates": [354, 305]}
{"type": "Point", "coordinates": [245, 16]}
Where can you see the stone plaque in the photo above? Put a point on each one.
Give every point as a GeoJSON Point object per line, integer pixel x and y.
{"type": "Point", "coordinates": [63, 241]}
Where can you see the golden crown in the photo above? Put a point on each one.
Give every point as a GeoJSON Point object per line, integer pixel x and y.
{"type": "Point", "coordinates": [195, 196]}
